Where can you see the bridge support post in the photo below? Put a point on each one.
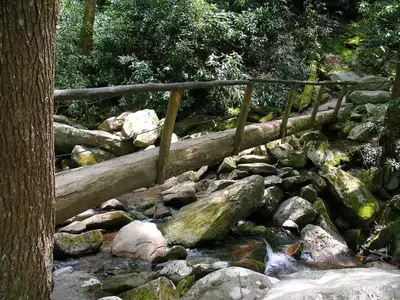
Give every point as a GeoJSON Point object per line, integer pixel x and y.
{"type": "Point", "coordinates": [288, 109]}
{"type": "Point", "coordinates": [317, 103]}
{"type": "Point", "coordinates": [166, 135]}
{"type": "Point", "coordinates": [343, 93]}
{"type": "Point", "coordinates": [244, 111]}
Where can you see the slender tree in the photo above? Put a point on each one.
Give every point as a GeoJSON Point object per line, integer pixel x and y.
{"type": "Point", "coordinates": [27, 42]}
{"type": "Point", "coordinates": [87, 26]}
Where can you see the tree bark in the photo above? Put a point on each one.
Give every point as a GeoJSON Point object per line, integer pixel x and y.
{"type": "Point", "coordinates": [396, 85]}
{"type": "Point", "coordinates": [87, 27]}
{"type": "Point", "coordinates": [27, 42]}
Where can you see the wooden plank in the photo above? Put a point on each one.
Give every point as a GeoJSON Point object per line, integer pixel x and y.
{"type": "Point", "coordinates": [343, 93]}
{"type": "Point", "coordinates": [83, 188]}
{"type": "Point", "coordinates": [244, 111]}
{"type": "Point", "coordinates": [317, 103]}
{"type": "Point", "coordinates": [166, 136]}
{"type": "Point", "coordinates": [288, 110]}
{"type": "Point", "coordinates": [121, 90]}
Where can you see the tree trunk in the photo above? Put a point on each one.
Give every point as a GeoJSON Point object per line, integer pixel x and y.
{"type": "Point", "coordinates": [396, 85]}
{"type": "Point", "coordinates": [27, 31]}
{"type": "Point", "coordinates": [87, 27]}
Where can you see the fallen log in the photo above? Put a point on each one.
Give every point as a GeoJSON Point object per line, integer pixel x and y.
{"type": "Point", "coordinates": [83, 188]}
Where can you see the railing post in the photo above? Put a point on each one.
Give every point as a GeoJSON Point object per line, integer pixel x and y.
{"type": "Point", "coordinates": [343, 93]}
{"type": "Point", "coordinates": [316, 103]}
{"type": "Point", "coordinates": [166, 135]}
{"type": "Point", "coordinates": [288, 109]}
{"type": "Point", "coordinates": [244, 111]}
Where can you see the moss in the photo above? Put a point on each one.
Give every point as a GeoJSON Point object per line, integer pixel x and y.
{"type": "Point", "coordinates": [372, 178]}
{"type": "Point", "coordinates": [185, 284]}
{"type": "Point", "coordinates": [306, 99]}
{"type": "Point", "coordinates": [161, 288]}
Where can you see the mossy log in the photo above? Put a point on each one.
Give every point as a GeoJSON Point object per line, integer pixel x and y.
{"type": "Point", "coordinates": [83, 188]}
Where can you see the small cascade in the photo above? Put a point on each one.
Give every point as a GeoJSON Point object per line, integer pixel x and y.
{"type": "Point", "coordinates": [278, 264]}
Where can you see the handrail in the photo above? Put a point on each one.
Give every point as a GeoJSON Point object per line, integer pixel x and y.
{"type": "Point", "coordinates": [176, 88]}
{"type": "Point", "coordinates": [121, 90]}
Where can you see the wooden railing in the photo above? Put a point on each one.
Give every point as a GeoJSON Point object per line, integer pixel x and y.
{"type": "Point", "coordinates": [175, 98]}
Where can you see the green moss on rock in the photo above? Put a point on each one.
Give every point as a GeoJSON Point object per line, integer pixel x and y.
{"type": "Point", "coordinates": [159, 289]}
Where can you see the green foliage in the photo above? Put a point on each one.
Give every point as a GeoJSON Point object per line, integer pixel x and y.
{"type": "Point", "coordinates": [186, 40]}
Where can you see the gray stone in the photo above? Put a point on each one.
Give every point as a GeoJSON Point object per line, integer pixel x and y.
{"type": "Point", "coordinates": [217, 185]}
{"type": "Point", "coordinates": [181, 194]}
{"type": "Point", "coordinates": [272, 197]}
{"type": "Point", "coordinates": [290, 225]}
{"type": "Point", "coordinates": [84, 156]}
{"type": "Point", "coordinates": [354, 284]}
{"type": "Point", "coordinates": [74, 227]}
{"type": "Point", "coordinates": [288, 156]}
{"type": "Point", "coordinates": [63, 271]}
{"type": "Point", "coordinates": [203, 269]}
{"type": "Point", "coordinates": [108, 220]}
{"type": "Point", "coordinates": [343, 76]}
{"type": "Point", "coordinates": [309, 193]}
{"type": "Point", "coordinates": [66, 244]}
{"type": "Point", "coordinates": [272, 180]}
{"type": "Point", "coordinates": [112, 204]}
{"type": "Point", "coordinates": [161, 211]}
{"type": "Point", "coordinates": [258, 168]}
{"type": "Point", "coordinates": [139, 240]}
{"type": "Point", "coordinates": [237, 174]}
{"type": "Point", "coordinates": [122, 282]}
{"type": "Point", "coordinates": [374, 97]}
{"type": "Point", "coordinates": [212, 217]}
{"type": "Point", "coordinates": [324, 248]}
{"type": "Point", "coordinates": [175, 253]}
{"type": "Point", "coordinates": [294, 183]}
{"type": "Point", "coordinates": [69, 287]}
{"type": "Point", "coordinates": [232, 283]}
{"type": "Point", "coordinates": [373, 83]}
{"type": "Point", "coordinates": [112, 124]}
{"type": "Point", "coordinates": [160, 289]}
{"type": "Point", "coordinates": [227, 165]}
{"type": "Point", "coordinates": [175, 271]}
{"type": "Point", "coordinates": [295, 209]}
{"type": "Point", "coordinates": [250, 159]}
{"type": "Point", "coordinates": [363, 132]}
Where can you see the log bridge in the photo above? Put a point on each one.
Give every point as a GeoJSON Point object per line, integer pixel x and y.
{"type": "Point", "coordinates": [83, 188]}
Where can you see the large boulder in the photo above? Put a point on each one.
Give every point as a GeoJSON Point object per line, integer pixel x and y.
{"type": "Point", "coordinates": [158, 289]}
{"type": "Point", "coordinates": [372, 83]}
{"type": "Point", "coordinates": [66, 137]}
{"type": "Point", "coordinates": [212, 217]}
{"type": "Point", "coordinates": [374, 97]}
{"type": "Point", "coordinates": [354, 284]}
{"type": "Point", "coordinates": [324, 248]}
{"type": "Point", "coordinates": [141, 126]}
{"type": "Point", "coordinates": [66, 244]}
{"type": "Point", "coordinates": [295, 209]}
{"type": "Point", "coordinates": [358, 202]}
{"type": "Point", "coordinates": [230, 284]}
{"type": "Point", "coordinates": [139, 240]}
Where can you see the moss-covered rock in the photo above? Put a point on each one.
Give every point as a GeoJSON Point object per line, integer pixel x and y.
{"type": "Point", "coordinates": [286, 155]}
{"type": "Point", "coordinates": [363, 132]}
{"type": "Point", "coordinates": [159, 289]}
{"type": "Point", "coordinates": [108, 220]}
{"type": "Point", "coordinates": [306, 99]}
{"type": "Point", "coordinates": [324, 220]}
{"type": "Point", "coordinates": [372, 178]}
{"type": "Point", "coordinates": [374, 97]}
{"type": "Point", "coordinates": [84, 156]}
{"type": "Point", "coordinates": [175, 271]}
{"type": "Point", "coordinates": [359, 204]}
{"type": "Point", "coordinates": [212, 217]}
{"type": "Point", "coordinates": [272, 196]}
{"type": "Point", "coordinates": [185, 284]}
{"type": "Point", "coordinates": [293, 183]}
{"type": "Point", "coordinates": [228, 165]}
{"type": "Point", "coordinates": [122, 282]}
{"type": "Point", "coordinates": [66, 244]}
{"type": "Point", "coordinates": [320, 152]}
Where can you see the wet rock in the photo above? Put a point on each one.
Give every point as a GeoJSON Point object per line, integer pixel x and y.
{"type": "Point", "coordinates": [309, 193]}
{"type": "Point", "coordinates": [250, 159]}
{"type": "Point", "coordinates": [295, 209]}
{"type": "Point", "coordinates": [112, 204]}
{"type": "Point", "coordinates": [175, 253]}
{"type": "Point", "coordinates": [324, 220]}
{"type": "Point", "coordinates": [354, 284]}
{"type": "Point", "coordinates": [139, 240]}
{"type": "Point", "coordinates": [288, 156]}
{"type": "Point", "coordinates": [203, 269]}
{"type": "Point", "coordinates": [323, 247]}
{"type": "Point", "coordinates": [258, 168]}
{"type": "Point", "coordinates": [67, 137]}
{"type": "Point", "coordinates": [66, 244]}
{"type": "Point", "coordinates": [181, 194]}
{"type": "Point", "coordinates": [122, 282]}
{"type": "Point", "coordinates": [229, 284]}
{"type": "Point", "coordinates": [142, 127]}
{"type": "Point", "coordinates": [227, 165]}
{"type": "Point", "coordinates": [296, 182]}
{"type": "Point", "coordinates": [272, 197]}
{"type": "Point", "coordinates": [108, 220]}
{"type": "Point", "coordinates": [359, 203]}
{"type": "Point", "coordinates": [74, 227]}
{"type": "Point", "coordinates": [160, 288]}
{"type": "Point", "coordinates": [161, 211]}
{"type": "Point", "coordinates": [84, 156]}
{"type": "Point", "coordinates": [374, 97]}
{"type": "Point", "coordinates": [212, 217]}
{"type": "Point", "coordinates": [363, 132]}
{"type": "Point", "coordinates": [174, 270]}
{"type": "Point", "coordinates": [272, 180]}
